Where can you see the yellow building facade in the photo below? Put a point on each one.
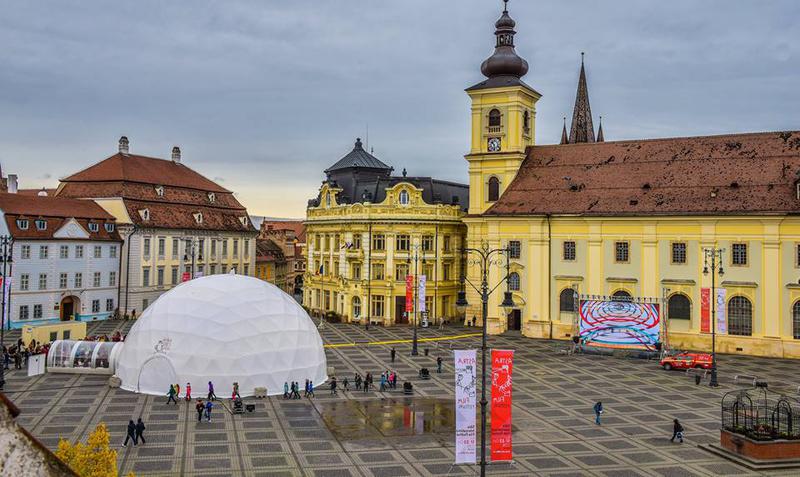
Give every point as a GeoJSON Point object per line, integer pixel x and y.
{"type": "Point", "coordinates": [631, 219]}
{"type": "Point", "coordinates": [367, 231]}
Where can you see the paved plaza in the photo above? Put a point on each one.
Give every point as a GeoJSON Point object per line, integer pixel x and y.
{"type": "Point", "coordinates": [554, 429]}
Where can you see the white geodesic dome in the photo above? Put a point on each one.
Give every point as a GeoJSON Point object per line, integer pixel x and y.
{"type": "Point", "coordinates": [224, 329]}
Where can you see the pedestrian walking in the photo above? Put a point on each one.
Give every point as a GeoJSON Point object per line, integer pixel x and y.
{"type": "Point", "coordinates": [211, 395]}
{"type": "Point", "coordinates": [344, 383]}
{"type": "Point", "coordinates": [305, 389]}
{"type": "Point", "coordinates": [310, 388]}
{"type": "Point", "coordinates": [171, 394]}
{"type": "Point", "coordinates": [209, 406]}
{"type": "Point", "coordinates": [177, 391]}
{"type": "Point", "coordinates": [297, 390]}
{"type": "Point", "coordinates": [357, 380]}
{"type": "Point", "coordinates": [333, 385]}
{"type": "Point", "coordinates": [383, 382]}
{"type": "Point", "coordinates": [236, 391]}
{"type": "Point", "coordinates": [199, 407]}
{"type": "Point", "coordinates": [140, 431]}
{"type": "Point", "coordinates": [598, 409]}
{"type": "Point", "coordinates": [188, 392]}
{"type": "Point", "coordinates": [677, 431]}
{"type": "Point", "coordinates": [439, 364]}
{"type": "Point", "coordinates": [393, 353]}
{"type": "Point", "coordinates": [286, 390]}
{"type": "Point", "coordinates": [131, 434]}
{"type": "Point", "coordinates": [367, 382]}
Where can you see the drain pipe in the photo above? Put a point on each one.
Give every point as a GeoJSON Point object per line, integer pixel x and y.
{"type": "Point", "coordinates": [549, 274]}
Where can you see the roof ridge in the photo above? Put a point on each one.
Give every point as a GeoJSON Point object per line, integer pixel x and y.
{"type": "Point", "coordinates": [536, 164]}
{"type": "Point", "coordinates": [670, 138]}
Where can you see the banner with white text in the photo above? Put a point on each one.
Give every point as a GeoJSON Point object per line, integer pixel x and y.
{"type": "Point", "coordinates": [421, 293]}
{"type": "Point", "coordinates": [502, 367]}
{"type": "Point", "coordinates": [722, 325]}
{"type": "Point", "coordinates": [466, 389]}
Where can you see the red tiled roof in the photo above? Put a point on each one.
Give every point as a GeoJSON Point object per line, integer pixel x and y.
{"type": "Point", "coordinates": [297, 226]}
{"type": "Point", "coordinates": [147, 170]}
{"type": "Point", "coordinates": [750, 173]}
{"type": "Point", "coordinates": [55, 211]}
{"type": "Point", "coordinates": [181, 216]}
{"type": "Point", "coordinates": [50, 192]}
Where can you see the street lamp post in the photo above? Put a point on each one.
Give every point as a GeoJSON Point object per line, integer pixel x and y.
{"type": "Point", "coordinates": [713, 264]}
{"type": "Point", "coordinates": [6, 248]}
{"type": "Point", "coordinates": [414, 344]}
{"type": "Point", "coordinates": [190, 249]}
{"type": "Point", "coordinates": [485, 258]}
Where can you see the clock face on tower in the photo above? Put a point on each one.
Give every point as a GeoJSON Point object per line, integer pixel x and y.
{"type": "Point", "coordinates": [494, 144]}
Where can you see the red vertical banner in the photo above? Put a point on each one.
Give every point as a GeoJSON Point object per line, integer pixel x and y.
{"type": "Point", "coordinates": [409, 293]}
{"type": "Point", "coordinates": [705, 310]}
{"type": "Point", "coordinates": [502, 366]}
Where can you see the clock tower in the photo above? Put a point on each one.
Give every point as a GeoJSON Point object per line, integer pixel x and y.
{"type": "Point", "coordinates": [503, 119]}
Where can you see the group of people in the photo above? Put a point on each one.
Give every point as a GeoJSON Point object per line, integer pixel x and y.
{"type": "Point", "coordinates": [677, 427]}
{"type": "Point", "coordinates": [19, 354]}
{"type": "Point", "coordinates": [174, 392]}
{"type": "Point", "coordinates": [135, 432]}
{"type": "Point", "coordinates": [292, 391]}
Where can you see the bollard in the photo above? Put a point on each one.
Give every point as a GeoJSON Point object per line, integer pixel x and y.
{"type": "Point", "coordinates": [426, 351]}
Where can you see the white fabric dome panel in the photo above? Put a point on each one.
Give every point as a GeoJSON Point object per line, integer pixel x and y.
{"type": "Point", "coordinates": [224, 329]}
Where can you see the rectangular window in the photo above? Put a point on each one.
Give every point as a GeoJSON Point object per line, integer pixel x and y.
{"type": "Point", "coordinates": [176, 246]}
{"type": "Point", "coordinates": [213, 248]}
{"type": "Point", "coordinates": [37, 312]}
{"type": "Point", "coordinates": [146, 247]}
{"type": "Point", "coordinates": [146, 277]}
{"type": "Point", "coordinates": [112, 251]}
{"type": "Point", "coordinates": [62, 281]}
{"type": "Point", "coordinates": [515, 249]}
{"type": "Point", "coordinates": [446, 271]}
{"type": "Point", "coordinates": [98, 251]}
{"type": "Point", "coordinates": [246, 250]}
{"type": "Point", "coordinates": [621, 252]}
{"type": "Point", "coordinates": [162, 247]}
{"type": "Point", "coordinates": [78, 280]}
{"type": "Point", "coordinates": [95, 306]}
{"type": "Point", "coordinates": [79, 251]}
{"type": "Point", "coordinates": [569, 251]}
{"type": "Point", "coordinates": [247, 270]}
{"type": "Point", "coordinates": [357, 242]}
{"type": "Point", "coordinates": [427, 243]}
{"type": "Point", "coordinates": [377, 271]}
{"type": "Point", "coordinates": [679, 252]}
{"type": "Point", "coordinates": [24, 312]}
{"type": "Point", "coordinates": [378, 302]}
{"type": "Point", "coordinates": [24, 281]}
{"type": "Point", "coordinates": [739, 254]}
{"type": "Point", "coordinates": [110, 304]}
{"type": "Point", "coordinates": [63, 251]}
{"type": "Point", "coordinates": [427, 270]}
{"type": "Point", "coordinates": [43, 252]}
{"type": "Point", "coordinates": [400, 272]}
{"type": "Point", "coordinates": [201, 248]}
{"type": "Point", "coordinates": [26, 252]}
{"type": "Point", "coordinates": [42, 281]}
{"type": "Point", "coordinates": [403, 243]}
{"type": "Point", "coordinates": [356, 271]}
{"type": "Point", "coordinates": [378, 242]}
{"type": "Point", "coordinates": [96, 279]}
{"type": "Point", "coordinates": [225, 248]}
{"type": "Point", "coordinates": [446, 243]}
{"type": "Point", "coordinates": [173, 272]}
{"type": "Point", "coordinates": [236, 248]}
{"type": "Point", "coordinates": [160, 276]}
{"type": "Point", "coordinates": [213, 269]}
{"type": "Point", "coordinates": [112, 279]}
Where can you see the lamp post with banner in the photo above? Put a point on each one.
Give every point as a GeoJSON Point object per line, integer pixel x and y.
{"type": "Point", "coordinates": [713, 265]}
{"type": "Point", "coordinates": [6, 249]}
{"type": "Point", "coordinates": [484, 257]}
{"type": "Point", "coordinates": [416, 248]}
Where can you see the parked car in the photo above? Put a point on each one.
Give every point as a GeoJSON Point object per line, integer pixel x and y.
{"type": "Point", "coordinates": [686, 360]}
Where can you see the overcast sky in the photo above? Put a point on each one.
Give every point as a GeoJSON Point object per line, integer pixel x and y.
{"type": "Point", "coordinates": [264, 95]}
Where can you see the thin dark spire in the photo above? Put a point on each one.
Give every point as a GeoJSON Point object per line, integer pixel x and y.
{"type": "Point", "coordinates": [581, 129]}
{"type": "Point", "coordinates": [600, 131]}
{"type": "Point", "coordinates": [505, 6]}
{"type": "Point", "coordinates": [564, 138]}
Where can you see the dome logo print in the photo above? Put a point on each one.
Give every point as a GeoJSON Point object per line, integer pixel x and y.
{"type": "Point", "coordinates": [163, 345]}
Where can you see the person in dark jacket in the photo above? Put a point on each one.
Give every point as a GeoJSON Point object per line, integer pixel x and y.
{"type": "Point", "coordinates": [199, 407]}
{"type": "Point", "coordinates": [171, 393]}
{"type": "Point", "coordinates": [393, 353]}
{"type": "Point", "coordinates": [140, 431]}
{"type": "Point", "coordinates": [598, 409]}
{"type": "Point", "coordinates": [131, 434]}
{"type": "Point", "coordinates": [677, 431]}
{"type": "Point", "coordinates": [439, 364]}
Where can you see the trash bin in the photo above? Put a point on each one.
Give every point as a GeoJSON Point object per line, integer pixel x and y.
{"type": "Point", "coordinates": [426, 351]}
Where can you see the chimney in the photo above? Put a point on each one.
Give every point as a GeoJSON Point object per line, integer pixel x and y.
{"type": "Point", "coordinates": [176, 155]}
{"type": "Point", "coordinates": [12, 184]}
{"type": "Point", "coordinates": [123, 144]}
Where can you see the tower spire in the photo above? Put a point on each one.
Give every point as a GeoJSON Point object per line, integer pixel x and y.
{"type": "Point", "coordinates": [564, 138]}
{"type": "Point", "coordinates": [504, 61]}
{"type": "Point", "coordinates": [600, 131]}
{"type": "Point", "coordinates": [581, 129]}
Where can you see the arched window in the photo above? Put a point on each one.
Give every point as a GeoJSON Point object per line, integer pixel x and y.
{"type": "Point", "coordinates": [356, 307]}
{"type": "Point", "coordinates": [403, 199]}
{"type": "Point", "coordinates": [740, 316]}
{"type": "Point", "coordinates": [494, 118]}
{"type": "Point", "coordinates": [494, 189]}
{"type": "Point", "coordinates": [513, 281]}
{"type": "Point", "coordinates": [566, 300]}
{"type": "Point", "coordinates": [796, 320]}
{"type": "Point", "coordinates": [621, 295]}
{"type": "Point", "coordinates": [679, 307]}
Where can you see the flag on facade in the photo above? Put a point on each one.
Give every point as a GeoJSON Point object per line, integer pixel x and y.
{"type": "Point", "coordinates": [705, 310]}
{"type": "Point", "coordinates": [502, 367]}
{"type": "Point", "coordinates": [722, 325]}
{"type": "Point", "coordinates": [409, 293]}
{"type": "Point", "coordinates": [421, 294]}
{"type": "Point", "coordinates": [466, 390]}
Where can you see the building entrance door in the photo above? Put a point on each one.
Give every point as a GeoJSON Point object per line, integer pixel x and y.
{"type": "Point", "coordinates": [68, 307]}
{"type": "Point", "coordinates": [515, 320]}
{"type": "Point", "coordinates": [400, 310]}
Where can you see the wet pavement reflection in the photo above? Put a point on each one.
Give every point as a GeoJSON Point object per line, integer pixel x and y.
{"type": "Point", "coordinates": [350, 419]}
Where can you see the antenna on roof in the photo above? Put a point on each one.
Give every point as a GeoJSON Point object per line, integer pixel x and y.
{"type": "Point", "coordinates": [367, 136]}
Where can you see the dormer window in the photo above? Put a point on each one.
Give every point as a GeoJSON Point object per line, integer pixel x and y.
{"type": "Point", "coordinates": [22, 224]}
{"type": "Point", "coordinates": [212, 197]}
{"type": "Point", "coordinates": [41, 224]}
{"type": "Point", "coordinates": [403, 197]}
{"type": "Point", "coordinates": [198, 217]}
{"type": "Point", "coordinates": [109, 228]}
{"type": "Point", "coordinates": [144, 214]}
{"type": "Point", "coordinates": [94, 227]}
{"type": "Point", "coordinates": [160, 190]}
{"type": "Point", "coordinates": [244, 220]}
